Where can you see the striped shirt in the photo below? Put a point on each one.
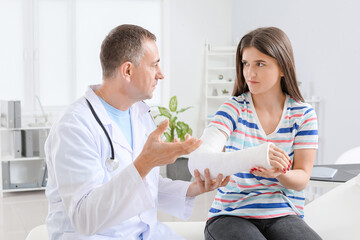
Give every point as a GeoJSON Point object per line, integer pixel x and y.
{"type": "Point", "coordinates": [250, 196]}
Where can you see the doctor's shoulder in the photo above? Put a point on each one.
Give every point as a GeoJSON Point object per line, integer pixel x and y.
{"type": "Point", "coordinates": [76, 116]}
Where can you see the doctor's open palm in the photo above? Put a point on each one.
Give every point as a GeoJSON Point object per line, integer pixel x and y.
{"type": "Point", "coordinates": [157, 153]}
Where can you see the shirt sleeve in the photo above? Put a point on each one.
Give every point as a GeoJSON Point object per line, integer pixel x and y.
{"type": "Point", "coordinates": [307, 134]}
{"type": "Point", "coordinates": [227, 116]}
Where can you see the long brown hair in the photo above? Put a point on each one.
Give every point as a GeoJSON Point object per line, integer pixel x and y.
{"type": "Point", "coordinates": [273, 42]}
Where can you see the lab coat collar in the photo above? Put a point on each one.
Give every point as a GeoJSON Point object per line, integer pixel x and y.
{"type": "Point", "coordinates": [139, 131]}
{"type": "Point", "coordinates": [97, 105]}
{"type": "Point", "coordinates": [115, 133]}
{"type": "Point", "coordinates": [137, 110]}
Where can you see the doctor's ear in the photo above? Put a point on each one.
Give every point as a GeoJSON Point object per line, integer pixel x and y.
{"type": "Point", "coordinates": [125, 70]}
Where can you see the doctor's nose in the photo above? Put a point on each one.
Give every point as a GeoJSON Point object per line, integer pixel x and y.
{"type": "Point", "coordinates": [159, 74]}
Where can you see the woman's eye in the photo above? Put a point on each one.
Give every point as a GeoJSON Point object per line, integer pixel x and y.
{"type": "Point", "coordinates": [245, 64]}
{"type": "Point", "coordinates": [260, 64]}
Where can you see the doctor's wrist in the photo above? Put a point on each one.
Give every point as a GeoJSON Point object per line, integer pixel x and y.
{"type": "Point", "coordinates": [142, 165]}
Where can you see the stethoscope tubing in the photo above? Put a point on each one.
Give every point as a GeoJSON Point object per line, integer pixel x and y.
{"type": "Point", "coordinates": [103, 128]}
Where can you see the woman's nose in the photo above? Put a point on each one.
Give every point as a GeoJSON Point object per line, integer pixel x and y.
{"type": "Point", "coordinates": [250, 73]}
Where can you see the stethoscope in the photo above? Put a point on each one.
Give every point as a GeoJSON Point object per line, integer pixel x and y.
{"type": "Point", "coordinates": [111, 163]}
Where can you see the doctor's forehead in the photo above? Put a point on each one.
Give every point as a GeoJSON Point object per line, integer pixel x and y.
{"type": "Point", "coordinates": [151, 50]}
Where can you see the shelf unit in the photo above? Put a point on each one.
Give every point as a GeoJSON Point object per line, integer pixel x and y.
{"type": "Point", "coordinates": [20, 173]}
{"type": "Point", "coordinates": [219, 75]}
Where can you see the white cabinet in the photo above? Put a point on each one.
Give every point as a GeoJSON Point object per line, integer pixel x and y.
{"type": "Point", "coordinates": [219, 77]}
{"type": "Point", "coordinates": [23, 166]}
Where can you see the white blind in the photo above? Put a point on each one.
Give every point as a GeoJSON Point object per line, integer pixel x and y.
{"type": "Point", "coordinates": [11, 50]}
{"type": "Point", "coordinates": [50, 48]}
{"type": "Point", "coordinates": [55, 59]}
{"type": "Point", "coordinates": [94, 20]}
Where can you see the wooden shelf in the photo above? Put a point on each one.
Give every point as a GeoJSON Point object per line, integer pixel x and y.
{"type": "Point", "coordinates": [23, 189]}
{"type": "Point", "coordinates": [220, 82]}
{"type": "Point", "coordinates": [223, 48]}
{"type": "Point", "coordinates": [219, 97]}
{"type": "Point", "coordinates": [219, 60]}
{"type": "Point", "coordinates": [221, 53]}
{"type": "Point", "coordinates": [221, 68]}
{"type": "Point", "coordinates": [23, 128]}
{"type": "Point", "coordinates": [9, 161]}
{"type": "Point", "coordinates": [12, 159]}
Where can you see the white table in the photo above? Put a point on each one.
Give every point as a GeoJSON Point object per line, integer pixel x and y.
{"type": "Point", "coordinates": [345, 173]}
{"type": "Point", "coordinates": [336, 214]}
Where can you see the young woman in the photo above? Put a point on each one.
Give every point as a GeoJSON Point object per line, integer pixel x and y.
{"type": "Point", "coordinates": [265, 203]}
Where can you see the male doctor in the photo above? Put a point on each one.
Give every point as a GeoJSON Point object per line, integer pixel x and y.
{"type": "Point", "coordinates": [104, 153]}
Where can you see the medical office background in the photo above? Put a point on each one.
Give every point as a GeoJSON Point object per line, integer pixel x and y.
{"type": "Point", "coordinates": [49, 53]}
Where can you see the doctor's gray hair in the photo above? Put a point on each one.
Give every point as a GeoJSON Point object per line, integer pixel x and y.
{"type": "Point", "coordinates": [123, 44]}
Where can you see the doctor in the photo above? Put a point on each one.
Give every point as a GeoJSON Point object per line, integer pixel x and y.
{"type": "Point", "coordinates": [104, 153]}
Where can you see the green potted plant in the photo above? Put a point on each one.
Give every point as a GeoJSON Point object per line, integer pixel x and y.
{"type": "Point", "coordinates": [225, 91]}
{"type": "Point", "coordinates": [177, 129]}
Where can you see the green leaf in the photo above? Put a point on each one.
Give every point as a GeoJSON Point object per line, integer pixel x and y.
{"type": "Point", "coordinates": [185, 129]}
{"type": "Point", "coordinates": [172, 123]}
{"type": "Point", "coordinates": [179, 133]}
{"type": "Point", "coordinates": [176, 128]}
{"type": "Point", "coordinates": [190, 131]}
{"type": "Point", "coordinates": [183, 126]}
{"type": "Point", "coordinates": [164, 112]}
{"type": "Point", "coordinates": [173, 104]}
{"type": "Point", "coordinates": [183, 109]}
{"type": "Point", "coordinates": [168, 137]}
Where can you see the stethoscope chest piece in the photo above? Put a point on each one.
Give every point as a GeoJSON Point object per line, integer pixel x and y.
{"type": "Point", "coordinates": [111, 164]}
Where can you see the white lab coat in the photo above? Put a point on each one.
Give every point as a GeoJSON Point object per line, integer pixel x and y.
{"type": "Point", "coordinates": [88, 202]}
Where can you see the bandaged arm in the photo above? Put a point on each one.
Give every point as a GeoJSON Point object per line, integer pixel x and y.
{"type": "Point", "coordinates": [210, 155]}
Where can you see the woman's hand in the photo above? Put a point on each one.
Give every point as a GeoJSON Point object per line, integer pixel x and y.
{"type": "Point", "coordinates": [199, 186]}
{"type": "Point", "coordinates": [266, 173]}
{"type": "Point", "coordinates": [279, 159]}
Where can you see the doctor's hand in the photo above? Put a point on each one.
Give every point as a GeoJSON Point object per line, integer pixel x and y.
{"type": "Point", "coordinates": [199, 186]}
{"type": "Point", "coordinates": [157, 153]}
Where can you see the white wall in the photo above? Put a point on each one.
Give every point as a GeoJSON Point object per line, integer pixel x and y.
{"type": "Point", "coordinates": [190, 24]}
{"type": "Point", "coordinates": [325, 37]}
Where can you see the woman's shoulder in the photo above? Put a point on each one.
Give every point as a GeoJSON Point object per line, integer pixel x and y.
{"type": "Point", "coordinates": [241, 99]}
{"type": "Point", "coordinates": [236, 103]}
{"type": "Point", "coordinates": [297, 106]}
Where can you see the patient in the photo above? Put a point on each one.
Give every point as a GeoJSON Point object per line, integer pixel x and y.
{"type": "Point", "coordinates": [265, 200]}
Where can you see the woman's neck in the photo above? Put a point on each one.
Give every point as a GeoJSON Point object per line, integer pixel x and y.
{"type": "Point", "coordinates": [269, 101]}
